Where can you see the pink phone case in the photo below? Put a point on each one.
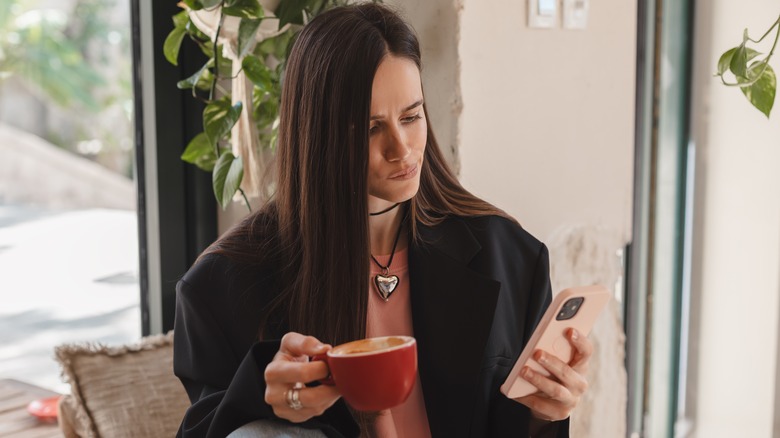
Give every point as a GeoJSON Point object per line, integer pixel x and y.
{"type": "Point", "coordinates": [550, 335]}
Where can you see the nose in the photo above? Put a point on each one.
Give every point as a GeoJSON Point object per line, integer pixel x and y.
{"type": "Point", "coordinates": [396, 148]}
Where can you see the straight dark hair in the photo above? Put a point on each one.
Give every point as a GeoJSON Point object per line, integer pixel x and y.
{"type": "Point", "coordinates": [315, 227]}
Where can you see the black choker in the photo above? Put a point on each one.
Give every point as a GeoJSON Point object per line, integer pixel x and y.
{"type": "Point", "coordinates": [385, 210]}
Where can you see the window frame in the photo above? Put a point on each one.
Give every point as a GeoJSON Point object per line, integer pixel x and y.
{"type": "Point", "coordinates": [177, 216]}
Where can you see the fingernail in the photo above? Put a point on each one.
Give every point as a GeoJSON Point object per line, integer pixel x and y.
{"type": "Point", "coordinates": [574, 335]}
{"type": "Point", "coordinates": [527, 373]}
{"type": "Point", "coordinates": [540, 357]}
{"type": "Point", "coordinates": [320, 347]}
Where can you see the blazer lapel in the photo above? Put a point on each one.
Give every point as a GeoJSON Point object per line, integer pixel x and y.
{"type": "Point", "coordinates": [452, 313]}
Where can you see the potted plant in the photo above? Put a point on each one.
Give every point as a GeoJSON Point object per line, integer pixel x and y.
{"type": "Point", "coordinates": [246, 43]}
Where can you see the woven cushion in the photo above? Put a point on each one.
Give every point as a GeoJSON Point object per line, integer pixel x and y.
{"type": "Point", "coordinates": [126, 391]}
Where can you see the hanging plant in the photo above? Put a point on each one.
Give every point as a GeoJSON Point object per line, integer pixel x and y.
{"type": "Point", "coordinates": [752, 74]}
{"type": "Point", "coordinates": [246, 43]}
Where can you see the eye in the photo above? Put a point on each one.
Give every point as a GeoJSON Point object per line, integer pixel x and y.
{"type": "Point", "coordinates": [411, 119]}
{"type": "Point", "coordinates": [373, 129]}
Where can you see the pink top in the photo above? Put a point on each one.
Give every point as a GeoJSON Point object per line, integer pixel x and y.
{"type": "Point", "coordinates": [394, 317]}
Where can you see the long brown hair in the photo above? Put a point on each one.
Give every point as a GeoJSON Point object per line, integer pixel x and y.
{"type": "Point", "coordinates": [316, 224]}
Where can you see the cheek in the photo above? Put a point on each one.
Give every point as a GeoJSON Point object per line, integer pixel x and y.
{"type": "Point", "coordinates": [375, 160]}
{"type": "Point", "coordinates": [421, 135]}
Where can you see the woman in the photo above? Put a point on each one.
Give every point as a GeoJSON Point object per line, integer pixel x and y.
{"type": "Point", "coordinates": [369, 234]}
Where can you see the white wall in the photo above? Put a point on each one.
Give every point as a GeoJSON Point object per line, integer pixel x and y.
{"type": "Point", "coordinates": [739, 244]}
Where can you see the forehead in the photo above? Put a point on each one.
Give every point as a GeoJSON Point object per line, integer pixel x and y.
{"type": "Point", "coordinates": [396, 85]}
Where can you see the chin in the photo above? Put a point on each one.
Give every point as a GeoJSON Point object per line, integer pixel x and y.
{"type": "Point", "coordinates": [407, 194]}
{"type": "Point", "coordinates": [401, 194]}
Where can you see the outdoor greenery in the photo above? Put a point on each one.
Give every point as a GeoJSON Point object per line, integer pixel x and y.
{"type": "Point", "coordinates": [63, 57]}
{"type": "Point", "coordinates": [35, 45]}
{"type": "Point", "coordinates": [754, 76]}
{"type": "Point", "coordinates": [263, 64]}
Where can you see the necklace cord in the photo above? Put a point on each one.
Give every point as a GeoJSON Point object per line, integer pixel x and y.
{"type": "Point", "coordinates": [395, 244]}
{"type": "Point", "coordinates": [385, 210]}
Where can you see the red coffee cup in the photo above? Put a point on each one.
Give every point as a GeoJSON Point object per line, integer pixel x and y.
{"type": "Point", "coordinates": [373, 374]}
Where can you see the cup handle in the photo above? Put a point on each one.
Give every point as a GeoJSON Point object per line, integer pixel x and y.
{"type": "Point", "coordinates": [328, 380]}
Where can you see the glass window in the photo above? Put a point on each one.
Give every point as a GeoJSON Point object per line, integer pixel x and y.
{"type": "Point", "coordinates": [68, 227]}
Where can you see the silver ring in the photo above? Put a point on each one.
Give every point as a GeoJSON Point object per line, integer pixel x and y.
{"type": "Point", "coordinates": [293, 398]}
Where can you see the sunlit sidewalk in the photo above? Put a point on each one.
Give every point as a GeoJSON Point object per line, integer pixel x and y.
{"type": "Point", "coordinates": [65, 276]}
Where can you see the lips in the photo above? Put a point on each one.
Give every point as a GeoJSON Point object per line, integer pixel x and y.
{"type": "Point", "coordinates": [405, 173]}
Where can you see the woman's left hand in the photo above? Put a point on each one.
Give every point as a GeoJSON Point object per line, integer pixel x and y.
{"type": "Point", "coordinates": [558, 394]}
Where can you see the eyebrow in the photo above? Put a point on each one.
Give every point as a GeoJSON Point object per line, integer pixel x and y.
{"type": "Point", "coordinates": [416, 104]}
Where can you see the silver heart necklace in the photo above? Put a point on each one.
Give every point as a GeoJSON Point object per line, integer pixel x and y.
{"type": "Point", "coordinates": [385, 282]}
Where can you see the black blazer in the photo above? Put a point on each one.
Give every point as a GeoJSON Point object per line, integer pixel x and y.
{"type": "Point", "coordinates": [478, 288]}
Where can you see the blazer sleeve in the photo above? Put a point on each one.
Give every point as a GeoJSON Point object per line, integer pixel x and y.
{"type": "Point", "coordinates": [511, 418]}
{"type": "Point", "coordinates": [226, 390]}
{"type": "Point", "coordinates": [222, 369]}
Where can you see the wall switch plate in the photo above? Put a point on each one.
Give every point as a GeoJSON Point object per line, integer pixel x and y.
{"type": "Point", "coordinates": [542, 13]}
{"type": "Point", "coordinates": [575, 14]}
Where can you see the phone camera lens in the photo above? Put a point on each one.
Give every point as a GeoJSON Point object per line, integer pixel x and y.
{"type": "Point", "coordinates": [570, 308]}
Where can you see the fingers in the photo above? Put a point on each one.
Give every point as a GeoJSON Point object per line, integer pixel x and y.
{"type": "Point", "coordinates": [315, 402]}
{"type": "Point", "coordinates": [547, 387]}
{"type": "Point", "coordinates": [583, 351]}
{"type": "Point", "coordinates": [310, 397]}
{"type": "Point", "coordinates": [560, 392]}
{"type": "Point", "coordinates": [290, 367]}
{"type": "Point", "coordinates": [544, 408]}
{"type": "Point", "coordinates": [553, 402]}
{"type": "Point", "coordinates": [574, 382]}
{"type": "Point", "coordinates": [283, 371]}
{"type": "Point", "coordinates": [296, 345]}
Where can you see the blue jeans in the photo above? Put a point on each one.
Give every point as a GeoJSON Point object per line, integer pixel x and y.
{"type": "Point", "coordinates": [270, 428]}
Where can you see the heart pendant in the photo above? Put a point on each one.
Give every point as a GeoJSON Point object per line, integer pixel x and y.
{"type": "Point", "coordinates": [385, 285]}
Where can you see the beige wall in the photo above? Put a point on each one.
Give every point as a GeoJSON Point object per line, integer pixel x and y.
{"type": "Point", "coordinates": [548, 118]}
{"type": "Point", "coordinates": [739, 244]}
{"type": "Point", "coordinates": [547, 133]}
{"type": "Point", "coordinates": [437, 27]}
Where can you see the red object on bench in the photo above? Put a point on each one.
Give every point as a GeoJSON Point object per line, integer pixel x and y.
{"type": "Point", "coordinates": [44, 409]}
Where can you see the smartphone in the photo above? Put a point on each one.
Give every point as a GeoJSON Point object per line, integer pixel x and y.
{"type": "Point", "coordinates": [577, 308]}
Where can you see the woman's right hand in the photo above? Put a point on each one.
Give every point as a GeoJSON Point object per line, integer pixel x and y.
{"type": "Point", "coordinates": [291, 366]}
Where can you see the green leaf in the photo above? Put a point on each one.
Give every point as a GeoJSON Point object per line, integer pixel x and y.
{"type": "Point", "coordinates": [180, 20]}
{"type": "Point", "coordinates": [195, 78]}
{"type": "Point", "coordinates": [291, 11]}
{"type": "Point", "coordinates": [738, 64]}
{"type": "Point", "coordinates": [225, 64]}
{"type": "Point", "coordinates": [195, 5]}
{"type": "Point", "coordinates": [205, 81]}
{"type": "Point", "coordinates": [200, 152]}
{"type": "Point", "coordinates": [227, 176]}
{"type": "Point", "coordinates": [246, 35]}
{"type": "Point", "coordinates": [244, 9]}
{"type": "Point", "coordinates": [172, 45]}
{"type": "Point", "coordinates": [725, 60]}
{"type": "Point", "coordinates": [208, 4]}
{"type": "Point", "coordinates": [218, 117]}
{"type": "Point", "coordinates": [316, 7]}
{"type": "Point", "coordinates": [265, 113]}
{"type": "Point", "coordinates": [258, 73]}
{"type": "Point", "coordinates": [762, 93]}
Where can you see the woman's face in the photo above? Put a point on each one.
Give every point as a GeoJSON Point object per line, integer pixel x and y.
{"type": "Point", "coordinates": [398, 133]}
